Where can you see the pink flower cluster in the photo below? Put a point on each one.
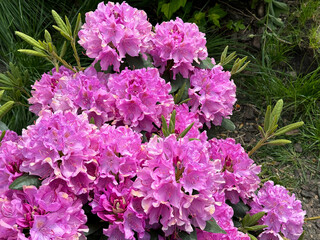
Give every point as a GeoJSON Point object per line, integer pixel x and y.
{"type": "Point", "coordinates": [114, 30]}
{"type": "Point", "coordinates": [212, 94]}
{"type": "Point", "coordinates": [283, 212]}
{"type": "Point", "coordinates": [98, 144]}
{"type": "Point", "coordinates": [176, 45]}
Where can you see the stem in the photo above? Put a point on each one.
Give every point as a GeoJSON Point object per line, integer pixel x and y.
{"type": "Point", "coordinates": [256, 147]}
{"type": "Point", "coordinates": [76, 56]}
{"type": "Point", "coordinates": [312, 218]}
{"type": "Point", "coordinates": [67, 65]}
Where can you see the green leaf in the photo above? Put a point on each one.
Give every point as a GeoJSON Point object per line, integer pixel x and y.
{"type": "Point", "coordinates": [279, 142]}
{"type": "Point", "coordinates": [276, 112]}
{"type": "Point", "coordinates": [3, 126]}
{"type": "Point", "coordinates": [165, 129]}
{"type": "Point", "coordinates": [261, 131]}
{"type": "Point", "coordinates": [172, 124]}
{"type": "Point", "coordinates": [177, 84]}
{"type": "Point", "coordinates": [256, 227]}
{"type": "Point", "coordinates": [277, 21]}
{"type": "Point", "coordinates": [240, 209]}
{"type": "Point", "coordinates": [186, 131]}
{"type": "Point", "coordinates": [267, 119]}
{"type": "Point", "coordinates": [63, 49]}
{"type": "Point", "coordinates": [3, 133]}
{"type": "Point", "coordinates": [178, 96]}
{"type": "Point", "coordinates": [5, 108]}
{"type": "Point", "coordinates": [170, 8]}
{"type": "Point", "coordinates": [186, 236]}
{"type": "Point", "coordinates": [25, 180]}
{"type": "Point", "coordinates": [228, 124]}
{"type": "Point", "coordinates": [29, 39]}
{"type": "Point", "coordinates": [59, 21]}
{"type": "Point", "coordinates": [281, 5]}
{"type": "Point", "coordinates": [32, 52]}
{"type": "Point", "coordinates": [69, 28]}
{"type": "Point", "coordinates": [213, 227]}
{"type": "Point", "coordinates": [1, 94]}
{"type": "Point", "coordinates": [252, 237]}
{"type": "Point", "coordinates": [138, 62]}
{"type": "Point", "coordinates": [288, 128]}
{"type": "Point", "coordinates": [216, 13]}
{"type": "Point", "coordinates": [78, 26]}
{"type": "Point", "coordinates": [249, 221]}
{"type": "Point", "coordinates": [301, 236]}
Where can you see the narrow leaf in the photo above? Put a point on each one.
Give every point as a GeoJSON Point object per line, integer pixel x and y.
{"type": "Point", "coordinates": [3, 133]}
{"type": "Point", "coordinates": [267, 119]}
{"type": "Point", "coordinates": [288, 128]}
{"type": "Point", "coordinates": [249, 221]}
{"type": "Point", "coordinates": [29, 39]}
{"type": "Point", "coordinates": [261, 131]}
{"type": "Point", "coordinates": [78, 26]}
{"type": "Point", "coordinates": [165, 129]}
{"type": "Point", "coordinates": [224, 54]}
{"type": "Point", "coordinates": [47, 36]}
{"type": "Point", "coordinates": [63, 49]}
{"type": "Point", "coordinates": [276, 112]}
{"type": "Point", "coordinates": [213, 227]}
{"type": "Point", "coordinates": [172, 124]}
{"type": "Point", "coordinates": [252, 237]}
{"type": "Point", "coordinates": [228, 124]}
{"type": "Point", "coordinates": [256, 227]}
{"type": "Point", "coordinates": [180, 93]}
{"type": "Point", "coordinates": [186, 131]}
{"type": "Point", "coordinates": [280, 5]}
{"type": "Point", "coordinates": [32, 52]}
{"type": "Point", "coordinates": [25, 180]}
{"type": "Point", "coordinates": [1, 94]}
{"type": "Point", "coordinates": [5, 108]}
{"type": "Point", "coordinates": [69, 29]}
{"type": "Point", "coordinates": [279, 142]}
{"type": "Point", "coordinates": [59, 21]}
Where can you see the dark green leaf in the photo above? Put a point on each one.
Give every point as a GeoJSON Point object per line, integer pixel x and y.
{"type": "Point", "coordinates": [3, 126]}
{"type": "Point", "coordinates": [213, 227]}
{"type": "Point", "coordinates": [138, 62]}
{"type": "Point", "coordinates": [3, 133]}
{"type": "Point", "coordinates": [25, 180]}
{"type": "Point", "coordinates": [301, 236]}
{"type": "Point", "coordinates": [179, 95]}
{"type": "Point", "coordinates": [240, 209]}
{"type": "Point", "coordinates": [165, 129]}
{"type": "Point", "coordinates": [170, 8]}
{"type": "Point", "coordinates": [172, 123]}
{"type": "Point", "coordinates": [204, 64]}
{"type": "Point", "coordinates": [186, 131]}
{"type": "Point", "coordinates": [186, 236]}
{"type": "Point", "coordinates": [249, 221]}
{"type": "Point", "coordinates": [256, 227]}
{"type": "Point", "coordinates": [177, 83]}
{"type": "Point", "coordinates": [228, 124]}
{"type": "Point", "coordinates": [281, 5]}
{"type": "Point", "coordinates": [252, 237]}
{"type": "Point", "coordinates": [267, 119]}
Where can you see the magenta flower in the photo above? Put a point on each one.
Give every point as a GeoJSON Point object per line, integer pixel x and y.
{"type": "Point", "coordinates": [114, 30]}
{"type": "Point", "coordinates": [10, 160]}
{"type": "Point", "coordinates": [61, 146]}
{"type": "Point", "coordinates": [177, 183]}
{"type": "Point", "coordinates": [141, 98]}
{"type": "Point", "coordinates": [44, 89]}
{"type": "Point", "coordinates": [43, 213]}
{"type": "Point", "coordinates": [175, 45]}
{"type": "Point", "coordinates": [116, 205]}
{"type": "Point", "coordinates": [212, 94]}
{"type": "Point", "coordinates": [238, 170]}
{"type": "Point", "coordinates": [283, 212]}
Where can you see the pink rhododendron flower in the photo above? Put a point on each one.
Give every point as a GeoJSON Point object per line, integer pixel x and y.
{"type": "Point", "coordinates": [44, 89]}
{"type": "Point", "coordinates": [61, 146]}
{"type": "Point", "coordinates": [46, 212]}
{"type": "Point", "coordinates": [10, 160]}
{"type": "Point", "coordinates": [238, 170]}
{"type": "Point", "coordinates": [142, 96]}
{"type": "Point", "coordinates": [177, 183]}
{"type": "Point", "coordinates": [212, 94]}
{"type": "Point", "coordinates": [112, 31]}
{"type": "Point", "coordinates": [175, 45]}
{"type": "Point", "coordinates": [283, 212]}
{"type": "Point", "coordinates": [116, 205]}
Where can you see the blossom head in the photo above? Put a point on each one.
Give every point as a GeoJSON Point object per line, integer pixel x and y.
{"type": "Point", "coordinates": [212, 94]}
{"type": "Point", "coordinates": [238, 170]}
{"type": "Point", "coordinates": [283, 212]}
{"type": "Point", "coordinates": [112, 31]}
{"type": "Point", "coordinates": [175, 45]}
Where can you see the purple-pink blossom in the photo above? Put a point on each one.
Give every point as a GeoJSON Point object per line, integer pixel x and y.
{"type": "Point", "coordinates": [142, 96]}
{"type": "Point", "coordinates": [112, 31]}
{"type": "Point", "coordinates": [175, 45]}
{"type": "Point", "coordinates": [212, 94]}
{"type": "Point", "coordinates": [283, 212]}
{"type": "Point", "coordinates": [238, 170]}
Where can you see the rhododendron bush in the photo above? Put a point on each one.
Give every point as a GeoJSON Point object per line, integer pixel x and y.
{"type": "Point", "coordinates": [120, 150]}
